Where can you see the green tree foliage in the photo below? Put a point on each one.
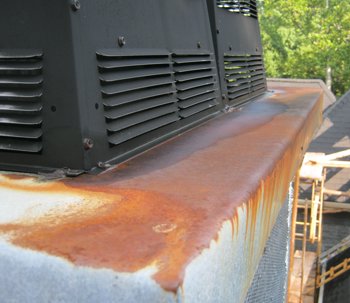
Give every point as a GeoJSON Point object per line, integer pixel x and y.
{"type": "Point", "coordinates": [302, 37]}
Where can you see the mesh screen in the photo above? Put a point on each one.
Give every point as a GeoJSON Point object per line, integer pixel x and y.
{"type": "Point", "coordinates": [270, 280]}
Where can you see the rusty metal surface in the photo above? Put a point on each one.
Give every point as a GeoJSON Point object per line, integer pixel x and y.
{"type": "Point", "coordinates": [165, 207]}
{"type": "Point", "coordinates": [271, 278]}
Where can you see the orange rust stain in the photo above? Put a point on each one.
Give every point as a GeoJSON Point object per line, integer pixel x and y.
{"type": "Point", "coordinates": [108, 240]}
{"type": "Point", "coordinates": [176, 197]}
{"type": "Point", "coordinates": [30, 184]}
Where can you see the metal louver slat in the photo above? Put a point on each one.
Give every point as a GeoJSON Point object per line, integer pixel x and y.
{"type": "Point", "coordinates": [20, 107]}
{"type": "Point", "coordinates": [185, 113]}
{"type": "Point", "coordinates": [20, 54]}
{"type": "Point", "coordinates": [247, 8]}
{"type": "Point", "coordinates": [20, 100]}
{"type": "Point", "coordinates": [195, 92]}
{"type": "Point", "coordinates": [192, 59]}
{"type": "Point", "coordinates": [138, 94]}
{"type": "Point", "coordinates": [193, 76]}
{"type": "Point", "coordinates": [236, 77]}
{"type": "Point", "coordinates": [259, 87]}
{"type": "Point", "coordinates": [242, 58]}
{"type": "Point", "coordinates": [245, 87]}
{"type": "Point", "coordinates": [196, 100]}
{"type": "Point", "coordinates": [244, 75]}
{"type": "Point", "coordinates": [129, 74]}
{"type": "Point", "coordinates": [259, 72]}
{"type": "Point", "coordinates": [8, 81]}
{"type": "Point", "coordinates": [20, 145]}
{"type": "Point", "coordinates": [258, 81]}
{"type": "Point", "coordinates": [236, 95]}
{"type": "Point", "coordinates": [190, 68]}
{"type": "Point", "coordinates": [138, 130]}
{"type": "Point", "coordinates": [195, 82]}
{"type": "Point", "coordinates": [237, 70]}
{"type": "Point", "coordinates": [242, 64]}
{"type": "Point", "coordinates": [133, 96]}
{"type": "Point", "coordinates": [134, 107]}
{"type": "Point", "coordinates": [20, 132]}
{"type": "Point", "coordinates": [239, 82]}
{"type": "Point", "coordinates": [131, 53]}
{"type": "Point", "coordinates": [123, 62]}
{"type": "Point", "coordinates": [21, 94]}
{"type": "Point", "coordinates": [12, 66]}
{"type": "Point", "coordinates": [20, 119]}
{"type": "Point", "coordinates": [138, 118]}
{"type": "Point", "coordinates": [133, 85]}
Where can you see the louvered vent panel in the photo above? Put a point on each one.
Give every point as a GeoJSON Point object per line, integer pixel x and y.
{"type": "Point", "coordinates": [195, 83]}
{"type": "Point", "coordinates": [138, 92]}
{"type": "Point", "coordinates": [245, 76]}
{"type": "Point", "coordinates": [20, 101]}
{"type": "Point", "coordinates": [247, 8]}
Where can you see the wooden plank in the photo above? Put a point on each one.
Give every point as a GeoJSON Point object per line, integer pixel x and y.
{"type": "Point", "coordinates": [309, 278]}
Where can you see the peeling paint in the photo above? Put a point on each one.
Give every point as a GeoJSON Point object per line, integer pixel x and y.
{"type": "Point", "coordinates": [166, 206]}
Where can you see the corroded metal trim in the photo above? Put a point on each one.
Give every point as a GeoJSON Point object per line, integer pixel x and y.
{"type": "Point", "coordinates": [166, 208]}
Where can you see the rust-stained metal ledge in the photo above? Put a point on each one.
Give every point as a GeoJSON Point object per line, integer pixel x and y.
{"type": "Point", "coordinates": [166, 208]}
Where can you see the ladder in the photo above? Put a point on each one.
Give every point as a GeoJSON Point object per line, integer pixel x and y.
{"type": "Point", "coordinates": [309, 228]}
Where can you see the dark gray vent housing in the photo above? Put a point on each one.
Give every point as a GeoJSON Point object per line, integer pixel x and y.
{"type": "Point", "coordinates": [237, 41]}
{"type": "Point", "coordinates": [86, 86]}
{"type": "Point", "coordinates": [83, 87]}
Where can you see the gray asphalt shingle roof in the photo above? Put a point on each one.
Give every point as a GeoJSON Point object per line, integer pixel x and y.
{"type": "Point", "coordinates": [334, 136]}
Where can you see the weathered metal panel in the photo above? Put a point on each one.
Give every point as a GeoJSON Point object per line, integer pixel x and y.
{"type": "Point", "coordinates": [201, 205]}
{"type": "Point", "coordinates": [86, 84]}
{"type": "Point", "coordinates": [236, 34]}
{"type": "Point", "coordinates": [271, 278]}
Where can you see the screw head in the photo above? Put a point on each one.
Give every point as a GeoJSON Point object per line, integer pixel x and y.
{"type": "Point", "coordinates": [75, 5]}
{"type": "Point", "coordinates": [121, 41]}
{"type": "Point", "coordinates": [88, 143]}
{"type": "Point", "coordinates": [103, 165]}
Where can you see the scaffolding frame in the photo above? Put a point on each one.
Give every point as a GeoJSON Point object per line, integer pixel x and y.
{"type": "Point", "coordinates": [313, 171]}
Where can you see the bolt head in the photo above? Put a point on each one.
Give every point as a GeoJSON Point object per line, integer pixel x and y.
{"type": "Point", "coordinates": [75, 5]}
{"type": "Point", "coordinates": [121, 41]}
{"type": "Point", "coordinates": [88, 143]}
{"type": "Point", "coordinates": [103, 165]}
